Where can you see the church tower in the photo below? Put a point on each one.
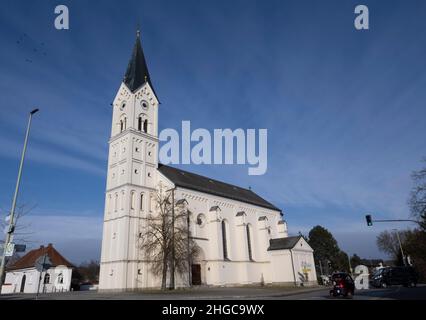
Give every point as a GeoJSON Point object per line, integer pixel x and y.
{"type": "Point", "coordinates": [131, 177]}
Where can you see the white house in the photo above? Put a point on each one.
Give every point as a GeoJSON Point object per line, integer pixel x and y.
{"type": "Point", "coordinates": [23, 277]}
{"type": "Point", "coordinates": [242, 237]}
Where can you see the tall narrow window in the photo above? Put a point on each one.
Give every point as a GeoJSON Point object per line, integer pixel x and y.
{"type": "Point", "coordinates": [60, 278]}
{"type": "Point", "coordinates": [140, 123]}
{"type": "Point", "coordinates": [145, 126]}
{"type": "Point", "coordinates": [224, 241]}
{"type": "Point", "coordinates": [250, 255]}
{"type": "Point", "coordinates": [141, 202]}
{"type": "Point", "coordinates": [132, 200]}
{"type": "Point", "coordinates": [121, 125]}
{"type": "Point", "coordinates": [125, 123]}
{"type": "Point", "coordinates": [122, 199]}
{"type": "Point", "coordinates": [116, 202]}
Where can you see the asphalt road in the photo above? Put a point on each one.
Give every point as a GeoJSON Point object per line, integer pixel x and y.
{"type": "Point", "coordinates": [246, 293]}
{"type": "Point", "coordinates": [391, 293]}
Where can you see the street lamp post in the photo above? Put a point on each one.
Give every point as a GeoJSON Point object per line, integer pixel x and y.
{"type": "Point", "coordinates": [15, 197]}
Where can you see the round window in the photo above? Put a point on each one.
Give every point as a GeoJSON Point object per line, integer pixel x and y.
{"type": "Point", "coordinates": [201, 220]}
{"type": "Point", "coordinates": [144, 105]}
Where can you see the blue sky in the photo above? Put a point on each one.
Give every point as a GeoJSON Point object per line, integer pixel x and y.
{"type": "Point", "coordinates": [344, 109]}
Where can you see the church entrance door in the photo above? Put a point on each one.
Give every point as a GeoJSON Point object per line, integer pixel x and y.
{"type": "Point", "coordinates": [196, 274]}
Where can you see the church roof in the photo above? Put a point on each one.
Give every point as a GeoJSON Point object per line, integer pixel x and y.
{"type": "Point", "coordinates": [137, 70]}
{"type": "Point", "coordinates": [29, 260]}
{"type": "Point", "coordinates": [283, 243]}
{"type": "Point", "coordinates": [200, 183]}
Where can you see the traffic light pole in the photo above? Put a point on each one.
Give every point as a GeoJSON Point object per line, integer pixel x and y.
{"type": "Point", "coordinates": [397, 220]}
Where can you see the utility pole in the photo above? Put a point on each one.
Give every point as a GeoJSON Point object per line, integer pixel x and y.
{"type": "Point", "coordinates": [400, 247]}
{"type": "Point", "coordinates": [15, 198]}
{"type": "Point", "coordinates": [350, 267]}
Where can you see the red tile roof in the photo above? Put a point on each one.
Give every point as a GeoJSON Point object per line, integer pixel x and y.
{"type": "Point", "coordinates": [29, 260]}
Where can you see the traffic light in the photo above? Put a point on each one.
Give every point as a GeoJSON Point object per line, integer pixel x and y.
{"type": "Point", "coordinates": [369, 220]}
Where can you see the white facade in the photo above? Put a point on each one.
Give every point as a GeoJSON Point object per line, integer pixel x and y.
{"type": "Point", "coordinates": [57, 279]}
{"type": "Point", "coordinates": [132, 179]}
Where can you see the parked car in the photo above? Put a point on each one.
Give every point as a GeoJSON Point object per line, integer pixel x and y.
{"type": "Point", "coordinates": [389, 276]}
{"type": "Point", "coordinates": [343, 285]}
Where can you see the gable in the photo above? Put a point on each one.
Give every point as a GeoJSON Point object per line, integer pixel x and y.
{"type": "Point", "coordinates": [296, 243]}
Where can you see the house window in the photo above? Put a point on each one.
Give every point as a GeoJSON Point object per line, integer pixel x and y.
{"type": "Point", "coordinates": [60, 278]}
{"type": "Point", "coordinates": [250, 255]}
{"type": "Point", "coordinates": [224, 241]}
{"type": "Point", "coordinates": [145, 126]}
{"type": "Point", "coordinates": [46, 278]}
{"type": "Point", "coordinates": [141, 202]}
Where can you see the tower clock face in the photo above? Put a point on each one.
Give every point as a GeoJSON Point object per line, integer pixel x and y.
{"type": "Point", "coordinates": [144, 105]}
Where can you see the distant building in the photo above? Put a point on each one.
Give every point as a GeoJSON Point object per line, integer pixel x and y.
{"type": "Point", "coordinates": [23, 277]}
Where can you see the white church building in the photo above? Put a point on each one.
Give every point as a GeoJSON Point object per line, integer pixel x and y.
{"type": "Point", "coordinates": [242, 238]}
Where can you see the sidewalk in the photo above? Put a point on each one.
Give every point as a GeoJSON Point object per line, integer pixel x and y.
{"type": "Point", "coordinates": [201, 293]}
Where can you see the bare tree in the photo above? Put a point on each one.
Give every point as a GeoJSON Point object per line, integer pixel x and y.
{"type": "Point", "coordinates": [417, 201]}
{"type": "Point", "coordinates": [387, 241]}
{"type": "Point", "coordinates": [161, 233]}
{"type": "Point", "coordinates": [22, 232]}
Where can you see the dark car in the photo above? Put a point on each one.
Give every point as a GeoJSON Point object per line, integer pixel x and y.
{"type": "Point", "coordinates": [343, 285]}
{"type": "Point", "coordinates": [389, 276]}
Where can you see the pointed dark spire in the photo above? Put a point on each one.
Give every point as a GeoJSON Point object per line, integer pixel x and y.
{"type": "Point", "coordinates": [137, 71]}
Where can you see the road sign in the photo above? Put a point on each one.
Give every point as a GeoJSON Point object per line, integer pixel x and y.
{"type": "Point", "coordinates": [43, 263]}
{"type": "Point", "coordinates": [10, 248]}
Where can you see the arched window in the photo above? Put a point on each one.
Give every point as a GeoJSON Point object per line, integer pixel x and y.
{"type": "Point", "coordinates": [46, 278]}
{"type": "Point", "coordinates": [123, 122]}
{"type": "Point", "coordinates": [143, 123]}
{"type": "Point", "coordinates": [250, 254]}
{"type": "Point", "coordinates": [140, 123]}
{"type": "Point", "coordinates": [224, 241]}
{"type": "Point", "coordinates": [141, 202]}
{"type": "Point", "coordinates": [122, 199]}
{"type": "Point", "coordinates": [132, 200]}
{"type": "Point", "coordinates": [60, 278]}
